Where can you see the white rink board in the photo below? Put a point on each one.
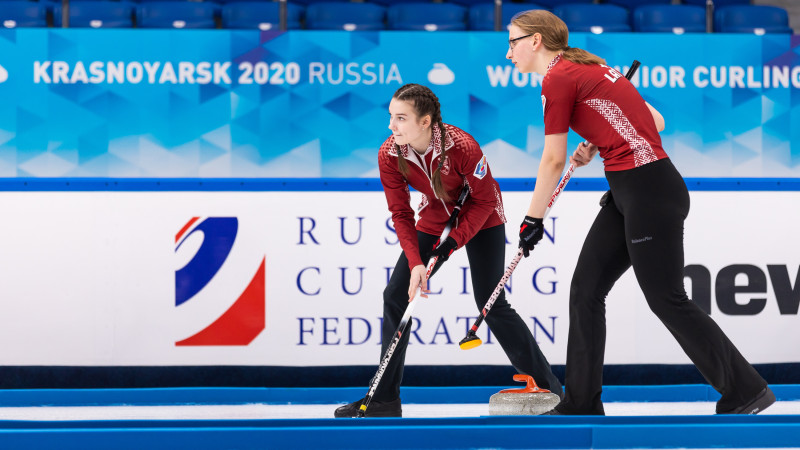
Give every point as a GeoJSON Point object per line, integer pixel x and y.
{"type": "Point", "coordinates": [88, 278]}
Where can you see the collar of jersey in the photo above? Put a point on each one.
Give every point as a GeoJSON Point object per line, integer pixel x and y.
{"type": "Point", "coordinates": [435, 143]}
{"type": "Point", "coordinates": [553, 63]}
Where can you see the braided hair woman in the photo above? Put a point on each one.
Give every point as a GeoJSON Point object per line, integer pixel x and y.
{"type": "Point", "coordinates": [438, 160]}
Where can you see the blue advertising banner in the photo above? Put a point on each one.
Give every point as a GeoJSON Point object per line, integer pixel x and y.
{"type": "Point", "coordinates": [247, 104]}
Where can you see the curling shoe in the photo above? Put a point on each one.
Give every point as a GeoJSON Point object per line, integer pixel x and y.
{"type": "Point", "coordinates": [561, 410]}
{"type": "Point", "coordinates": [375, 409]}
{"type": "Point", "coordinates": [759, 403]}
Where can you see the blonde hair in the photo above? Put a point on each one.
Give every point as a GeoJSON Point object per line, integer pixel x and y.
{"type": "Point", "coordinates": [424, 102]}
{"type": "Point", "coordinates": [555, 35]}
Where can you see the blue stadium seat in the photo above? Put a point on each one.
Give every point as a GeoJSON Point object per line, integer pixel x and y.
{"type": "Point", "coordinates": [297, 2]}
{"type": "Point", "coordinates": [427, 16]}
{"type": "Point", "coordinates": [175, 14]}
{"type": "Point", "coordinates": [632, 4]}
{"type": "Point", "coordinates": [347, 16]}
{"type": "Point", "coordinates": [481, 17]}
{"type": "Point", "coordinates": [717, 3]}
{"type": "Point", "coordinates": [594, 18]}
{"type": "Point", "coordinates": [550, 4]}
{"type": "Point", "coordinates": [97, 14]}
{"type": "Point", "coordinates": [390, 2]}
{"type": "Point", "coordinates": [15, 14]}
{"type": "Point", "coordinates": [260, 15]}
{"type": "Point", "coordinates": [677, 19]}
{"type": "Point", "coordinates": [470, 3]}
{"type": "Point", "coordinates": [758, 19]}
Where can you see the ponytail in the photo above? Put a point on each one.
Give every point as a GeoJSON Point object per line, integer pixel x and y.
{"type": "Point", "coordinates": [581, 56]}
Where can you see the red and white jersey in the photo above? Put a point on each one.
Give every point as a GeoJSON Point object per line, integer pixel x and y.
{"type": "Point", "coordinates": [604, 108]}
{"type": "Point", "coordinates": [464, 164]}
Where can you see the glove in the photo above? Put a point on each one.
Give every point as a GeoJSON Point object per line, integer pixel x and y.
{"type": "Point", "coordinates": [530, 233]}
{"type": "Point", "coordinates": [445, 250]}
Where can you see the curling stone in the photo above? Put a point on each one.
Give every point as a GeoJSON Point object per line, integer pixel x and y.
{"type": "Point", "coordinates": [530, 400]}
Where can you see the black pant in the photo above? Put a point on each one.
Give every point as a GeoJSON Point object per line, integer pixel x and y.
{"type": "Point", "coordinates": [486, 254]}
{"type": "Point", "coordinates": [642, 226]}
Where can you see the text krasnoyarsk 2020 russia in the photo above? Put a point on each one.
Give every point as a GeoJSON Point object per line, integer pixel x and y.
{"type": "Point", "coordinates": [206, 72]}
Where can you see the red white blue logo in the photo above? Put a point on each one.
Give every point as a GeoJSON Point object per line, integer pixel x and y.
{"type": "Point", "coordinates": [481, 168]}
{"type": "Point", "coordinates": [246, 317]}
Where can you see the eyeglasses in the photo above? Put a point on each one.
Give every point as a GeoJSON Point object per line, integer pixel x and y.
{"type": "Point", "coordinates": [511, 42]}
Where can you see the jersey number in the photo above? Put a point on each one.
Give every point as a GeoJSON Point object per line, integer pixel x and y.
{"type": "Point", "coordinates": [613, 75]}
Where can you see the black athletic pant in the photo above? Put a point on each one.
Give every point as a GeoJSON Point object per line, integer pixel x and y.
{"type": "Point", "coordinates": [486, 254]}
{"type": "Point", "coordinates": [642, 226]}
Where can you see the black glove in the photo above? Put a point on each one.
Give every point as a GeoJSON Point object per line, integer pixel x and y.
{"type": "Point", "coordinates": [530, 233]}
{"type": "Point", "coordinates": [445, 250]}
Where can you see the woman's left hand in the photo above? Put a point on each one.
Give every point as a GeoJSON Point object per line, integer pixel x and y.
{"type": "Point", "coordinates": [419, 280]}
{"type": "Point", "coordinates": [583, 154]}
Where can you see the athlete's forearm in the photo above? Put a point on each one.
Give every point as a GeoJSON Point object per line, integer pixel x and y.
{"type": "Point", "coordinates": [550, 169]}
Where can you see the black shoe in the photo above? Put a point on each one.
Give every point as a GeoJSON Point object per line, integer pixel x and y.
{"type": "Point", "coordinates": [375, 409]}
{"type": "Point", "coordinates": [562, 410]}
{"type": "Point", "coordinates": [761, 402]}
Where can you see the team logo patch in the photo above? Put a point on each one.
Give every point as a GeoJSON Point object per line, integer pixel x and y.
{"type": "Point", "coordinates": [481, 168]}
{"type": "Point", "coordinates": [544, 100]}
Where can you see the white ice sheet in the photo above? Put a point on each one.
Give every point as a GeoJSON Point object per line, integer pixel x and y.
{"type": "Point", "coordinates": [262, 411]}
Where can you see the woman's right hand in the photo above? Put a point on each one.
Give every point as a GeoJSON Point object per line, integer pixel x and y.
{"type": "Point", "coordinates": [418, 280]}
{"type": "Point", "coordinates": [583, 154]}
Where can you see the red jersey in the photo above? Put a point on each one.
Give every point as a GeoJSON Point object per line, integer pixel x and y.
{"type": "Point", "coordinates": [604, 108]}
{"type": "Point", "coordinates": [465, 164]}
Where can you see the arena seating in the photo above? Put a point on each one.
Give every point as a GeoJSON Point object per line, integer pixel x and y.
{"type": "Point", "coordinates": [427, 16]}
{"type": "Point", "coordinates": [677, 19]}
{"type": "Point", "coordinates": [397, 2]}
{"type": "Point", "coordinates": [730, 16]}
{"type": "Point", "coordinates": [176, 14]}
{"type": "Point", "coordinates": [481, 16]}
{"type": "Point", "coordinates": [632, 4]}
{"type": "Point", "coordinates": [260, 15]}
{"type": "Point", "coordinates": [345, 16]}
{"type": "Point", "coordinates": [20, 13]}
{"type": "Point", "coordinates": [470, 3]}
{"type": "Point", "coordinates": [97, 14]}
{"type": "Point", "coordinates": [595, 18]}
{"type": "Point", "coordinates": [717, 3]}
{"type": "Point", "coordinates": [757, 19]}
{"type": "Point", "coordinates": [550, 4]}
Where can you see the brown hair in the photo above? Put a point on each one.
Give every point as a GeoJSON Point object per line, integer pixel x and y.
{"type": "Point", "coordinates": [555, 35]}
{"type": "Point", "coordinates": [425, 103]}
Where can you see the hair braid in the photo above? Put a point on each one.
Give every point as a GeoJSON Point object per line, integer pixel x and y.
{"type": "Point", "coordinates": [438, 186]}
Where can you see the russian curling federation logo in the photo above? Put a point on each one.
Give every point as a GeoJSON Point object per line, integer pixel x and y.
{"type": "Point", "coordinates": [246, 317]}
